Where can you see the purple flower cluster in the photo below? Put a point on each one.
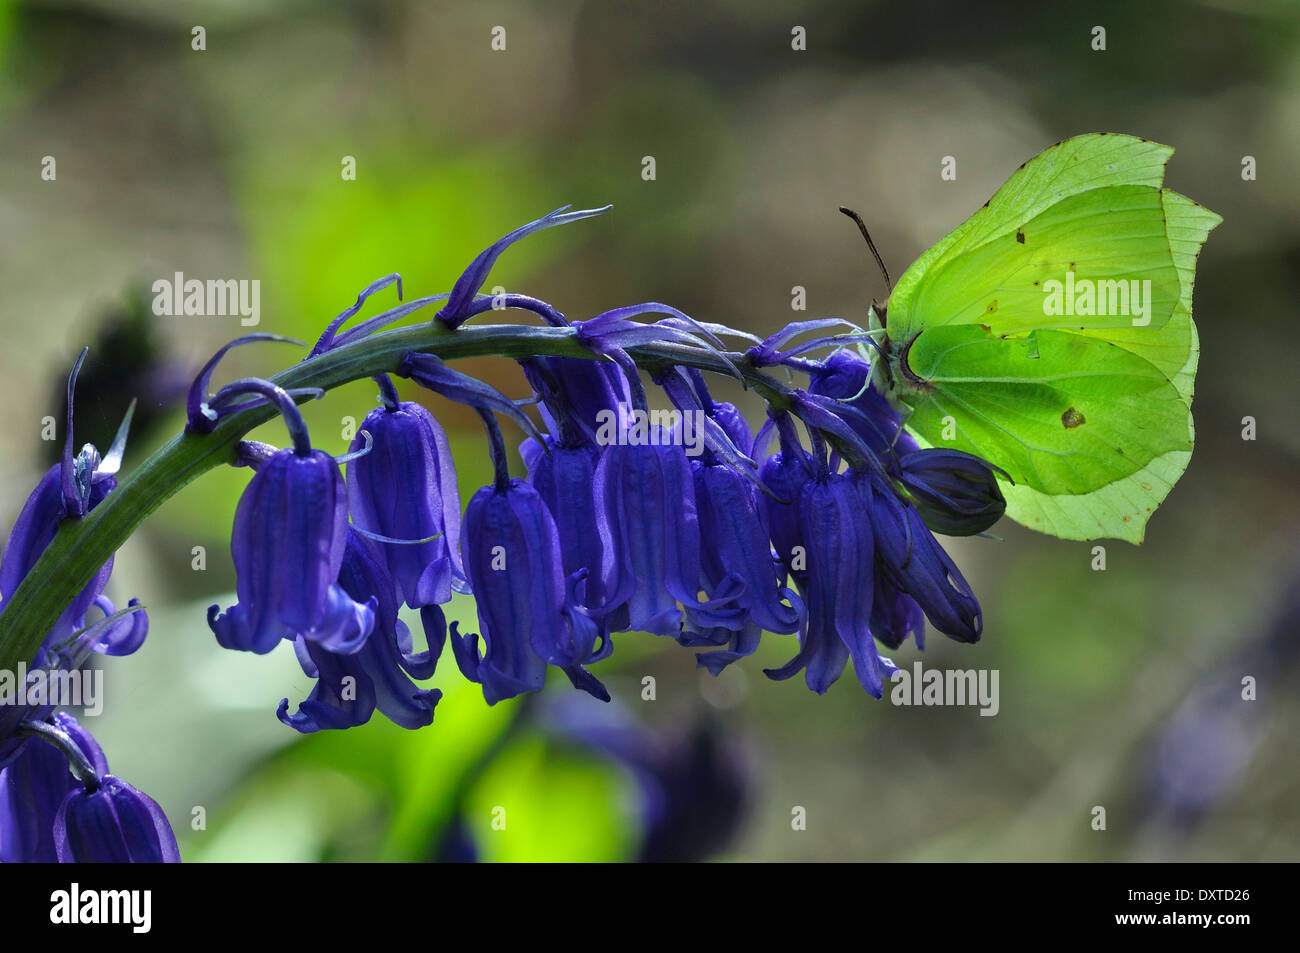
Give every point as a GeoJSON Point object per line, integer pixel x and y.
{"type": "Point", "coordinates": [673, 521]}
{"type": "Point", "coordinates": [670, 518]}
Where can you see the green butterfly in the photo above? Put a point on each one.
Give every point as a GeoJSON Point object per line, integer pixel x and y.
{"type": "Point", "coordinates": [1051, 334]}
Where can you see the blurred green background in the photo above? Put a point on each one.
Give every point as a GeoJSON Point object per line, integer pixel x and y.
{"type": "Point", "coordinates": [1119, 689]}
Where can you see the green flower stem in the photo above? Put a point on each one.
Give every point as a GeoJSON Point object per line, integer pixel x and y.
{"type": "Point", "coordinates": [83, 545]}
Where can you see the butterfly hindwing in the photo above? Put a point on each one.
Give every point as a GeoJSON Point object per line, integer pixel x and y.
{"type": "Point", "coordinates": [1059, 412]}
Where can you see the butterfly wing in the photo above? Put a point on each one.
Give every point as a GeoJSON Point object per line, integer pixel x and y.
{"type": "Point", "coordinates": [1069, 168]}
{"type": "Point", "coordinates": [1089, 415]}
{"type": "Point", "coordinates": [1121, 508]}
{"type": "Point", "coordinates": [1062, 413]}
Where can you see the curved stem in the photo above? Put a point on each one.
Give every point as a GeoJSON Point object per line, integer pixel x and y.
{"type": "Point", "coordinates": [78, 762]}
{"type": "Point", "coordinates": [387, 393]}
{"type": "Point", "coordinates": [293, 421]}
{"type": "Point", "coordinates": [497, 448]}
{"type": "Point", "coordinates": [83, 545]}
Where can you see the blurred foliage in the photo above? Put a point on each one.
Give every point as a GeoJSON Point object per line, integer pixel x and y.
{"type": "Point", "coordinates": [226, 163]}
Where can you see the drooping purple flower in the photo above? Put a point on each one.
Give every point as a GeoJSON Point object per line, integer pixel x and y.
{"type": "Point", "coordinates": [58, 802]}
{"type": "Point", "coordinates": [645, 495]}
{"type": "Point", "coordinates": [955, 492]}
{"type": "Point", "coordinates": [528, 617]}
{"type": "Point", "coordinates": [529, 613]}
{"type": "Point", "coordinates": [737, 568]}
{"type": "Point", "coordinates": [894, 614]}
{"type": "Point", "coordinates": [113, 822]}
{"type": "Point", "coordinates": [784, 474]}
{"type": "Point", "coordinates": [405, 488]}
{"type": "Point", "coordinates": [287, 544]}
{"type": "Point", "coordinates": [650, 531]}
{"type": "Point", "coordinates": [32, 788]}
{"type": "Point", "coordinates": [836, 525]}
{"type": "Point", "coordinates": [918, 565]}
{"type": "Point", "coordinates": [350, 687]}
{"type": "Point", "coordinates": [565, 479]}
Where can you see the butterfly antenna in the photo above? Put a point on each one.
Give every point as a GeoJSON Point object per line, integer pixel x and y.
{"type": "Point", "coordinates": [862, 227]}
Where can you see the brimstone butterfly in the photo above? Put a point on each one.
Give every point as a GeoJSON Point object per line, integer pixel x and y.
{"type": "Point", "coordinates": [1051, 334]}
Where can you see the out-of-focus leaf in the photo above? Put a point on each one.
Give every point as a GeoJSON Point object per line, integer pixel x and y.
{"type": "Point", "coordinates": [536, 802]}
